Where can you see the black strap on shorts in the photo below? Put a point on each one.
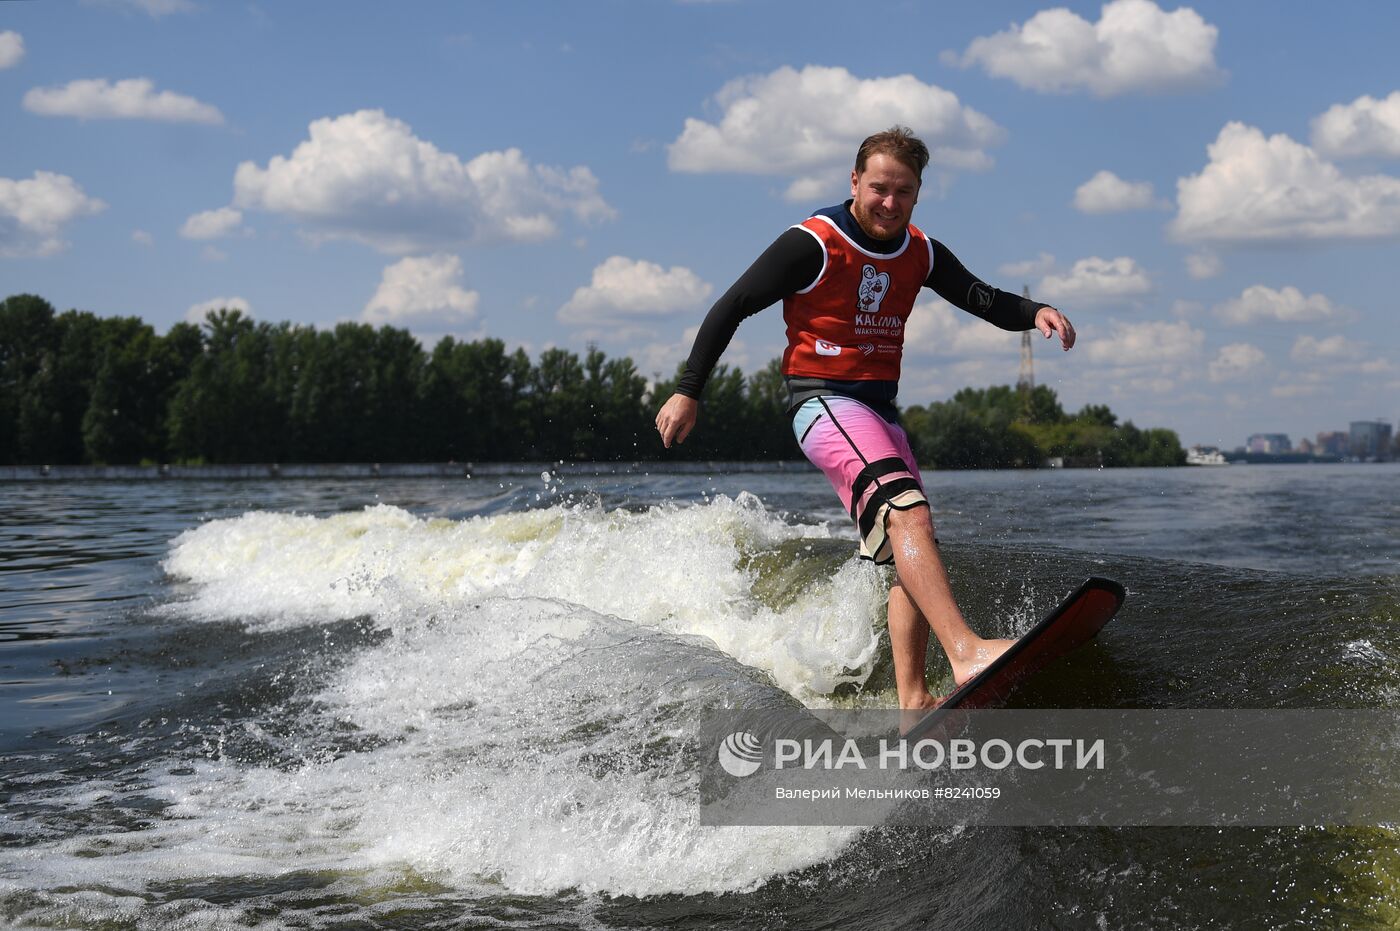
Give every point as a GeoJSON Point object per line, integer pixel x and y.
{"type": "Point", "coordinates": [871, 473]}
{"type": "Point", "coordinates": [881, 497]}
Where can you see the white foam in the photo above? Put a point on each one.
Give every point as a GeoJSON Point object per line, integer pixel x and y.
{"type": "Point", "coordinates": [1364, 651]}
{"type": "Point", "coordinates": [528, 721]}
{"type": "Point", "coordinates": [528, 803]}
{"type": "Point", "coordinates": [520, 751]}
{"type": "Point", "coordinates": [679, 569]}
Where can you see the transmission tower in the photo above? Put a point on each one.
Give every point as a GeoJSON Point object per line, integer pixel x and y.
{"type": "Point", "coordinates": [1026, 382]}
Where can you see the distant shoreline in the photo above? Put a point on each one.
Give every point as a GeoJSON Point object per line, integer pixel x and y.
{"type": "Point", "coordinates": [372, 470]}
{"type": "Point", "coordinates": [1283, 459]}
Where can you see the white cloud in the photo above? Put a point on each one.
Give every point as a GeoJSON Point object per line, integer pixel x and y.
{"type": "Point", "coordinates": [1236, 361]}
{"type": "Point", "coordinates": [1096, 279]}
{"type": "Point", "coordinates": [1378, 367]}
{"type": "Point", "coordinates": [1260, 303]}
{"type": "Point", "coordinates": [131, 99]}
{"type": "Point", "coordinates": [423, 293]}
{"type": "Point", "coordinates": [1134, 46]}
{"type": "Point", "coordinates": [826, 187]}
{"type": "Point", "coordinates": [1202, 265]}
{"type": "Point", "coordinates": [213, 254]}
{"type": "Point", "coordinates": [613, 335]}
{"type": "Point", "coordinates": [34, 211]}
{"type": "Point", "coordinates": [1302, 389]}
{"type": "Point", "coordinates": [153, 8]}
{"type": "Point", "coordinates": [806, 125]}
{"type": "Point", "coordinates": [1335, 348]}
{"type": "Point", "coordinates": [1030, 268]}
{"type": "Point", "coordinates": [198, 312]}
{"type": "Point", "coordinates": [657, 361]}
{"type": "Point", "coordinates": [1257, 189]}
{"type": "Point", "coordinates": [1152, 343]}
{"type": "Point", "coordinates": [141, 237]}
{"type": "Point", "coordinates": [211, 224]}
{"type": "Point", "coordinates": [365, 176]}
{"type": "Point", "coordinates": [624, 288]}
{"type": "Point", "coordinates": [663, 357]}
{"type": "Point", "coordinates": [1150, 386]}
{"type": "Point", "coordinates": [937, 329]}
{"type": "Point", "coordinates": [11, 49]}
{"type": "Point", "coordinates": [1366, 126]}
{"type": "Point", "coordinates": [1105, 192]}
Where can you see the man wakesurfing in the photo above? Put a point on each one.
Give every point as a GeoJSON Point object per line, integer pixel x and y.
{"type": "Point", "coordinates": [848, 277]}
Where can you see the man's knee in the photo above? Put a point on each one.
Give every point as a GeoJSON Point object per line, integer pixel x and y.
{"type": "Point", "coordinates": [910, 520]}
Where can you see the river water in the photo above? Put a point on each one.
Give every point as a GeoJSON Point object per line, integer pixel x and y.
{"type": "Point", "coordinates": [429, 703]}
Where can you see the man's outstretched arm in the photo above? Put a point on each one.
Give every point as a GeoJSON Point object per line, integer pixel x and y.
{"type": "Point", "coordinates": [790, 264]}
{"type": "Point", "coordinates": [964, 290]}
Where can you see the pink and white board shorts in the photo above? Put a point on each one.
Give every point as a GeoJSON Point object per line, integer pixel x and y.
{"type": "Point", "coordinates": [868, 461]}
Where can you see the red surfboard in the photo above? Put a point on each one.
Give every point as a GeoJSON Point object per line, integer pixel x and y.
{"type": "Point", "coordinates": [1073, 623]}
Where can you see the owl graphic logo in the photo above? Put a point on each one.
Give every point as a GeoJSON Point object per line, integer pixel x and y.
{"type": "Point", "coordinates": [873, 288]}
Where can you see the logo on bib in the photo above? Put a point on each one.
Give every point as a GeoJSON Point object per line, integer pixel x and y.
{"type": "Point", "coordinates": [873, 288]}
{"type": "Point", "coordinates": [827, 349]}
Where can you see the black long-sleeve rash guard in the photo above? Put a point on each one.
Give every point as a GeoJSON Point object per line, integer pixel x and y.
{"type": "Point", "coordinates": [793, 262]}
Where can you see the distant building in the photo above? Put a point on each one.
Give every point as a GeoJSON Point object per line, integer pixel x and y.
{"type": "Point", "coordinates": [1335, 443]}
{"type": "Point", "coordinates": [1270, 444]}
{"type": "Point", "coordinates": [1304, 446]}
{"type": "Point", "coordinates": [1370, 440]}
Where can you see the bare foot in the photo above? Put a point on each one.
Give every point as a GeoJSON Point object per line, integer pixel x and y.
{"type": "Point", "coordinates": [913, 712]}
{"type": "Point", "coordinates": [977, 658]}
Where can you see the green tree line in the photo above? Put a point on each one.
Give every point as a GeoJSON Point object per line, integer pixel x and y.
{"type": "Point", "coordinates": [1004, 428]}
{"type": "Point", "coordinates": [78, 388]}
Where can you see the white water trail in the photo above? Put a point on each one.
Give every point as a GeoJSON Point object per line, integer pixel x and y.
{"type": "Point", "coordinates": [523, 726]}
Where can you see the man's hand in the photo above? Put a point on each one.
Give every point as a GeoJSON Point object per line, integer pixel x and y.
{"type": "Point", "coordinates": [1050, 321]}
{"type": "Point", "coordinates": [676, 419]}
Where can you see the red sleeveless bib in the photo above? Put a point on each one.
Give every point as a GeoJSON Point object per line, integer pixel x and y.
{"type": "Point", "coordinates": [849, 324]}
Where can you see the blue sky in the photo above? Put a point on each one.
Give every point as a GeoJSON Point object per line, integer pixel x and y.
{"type": "Point", "coordinates": [1211, 192]}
